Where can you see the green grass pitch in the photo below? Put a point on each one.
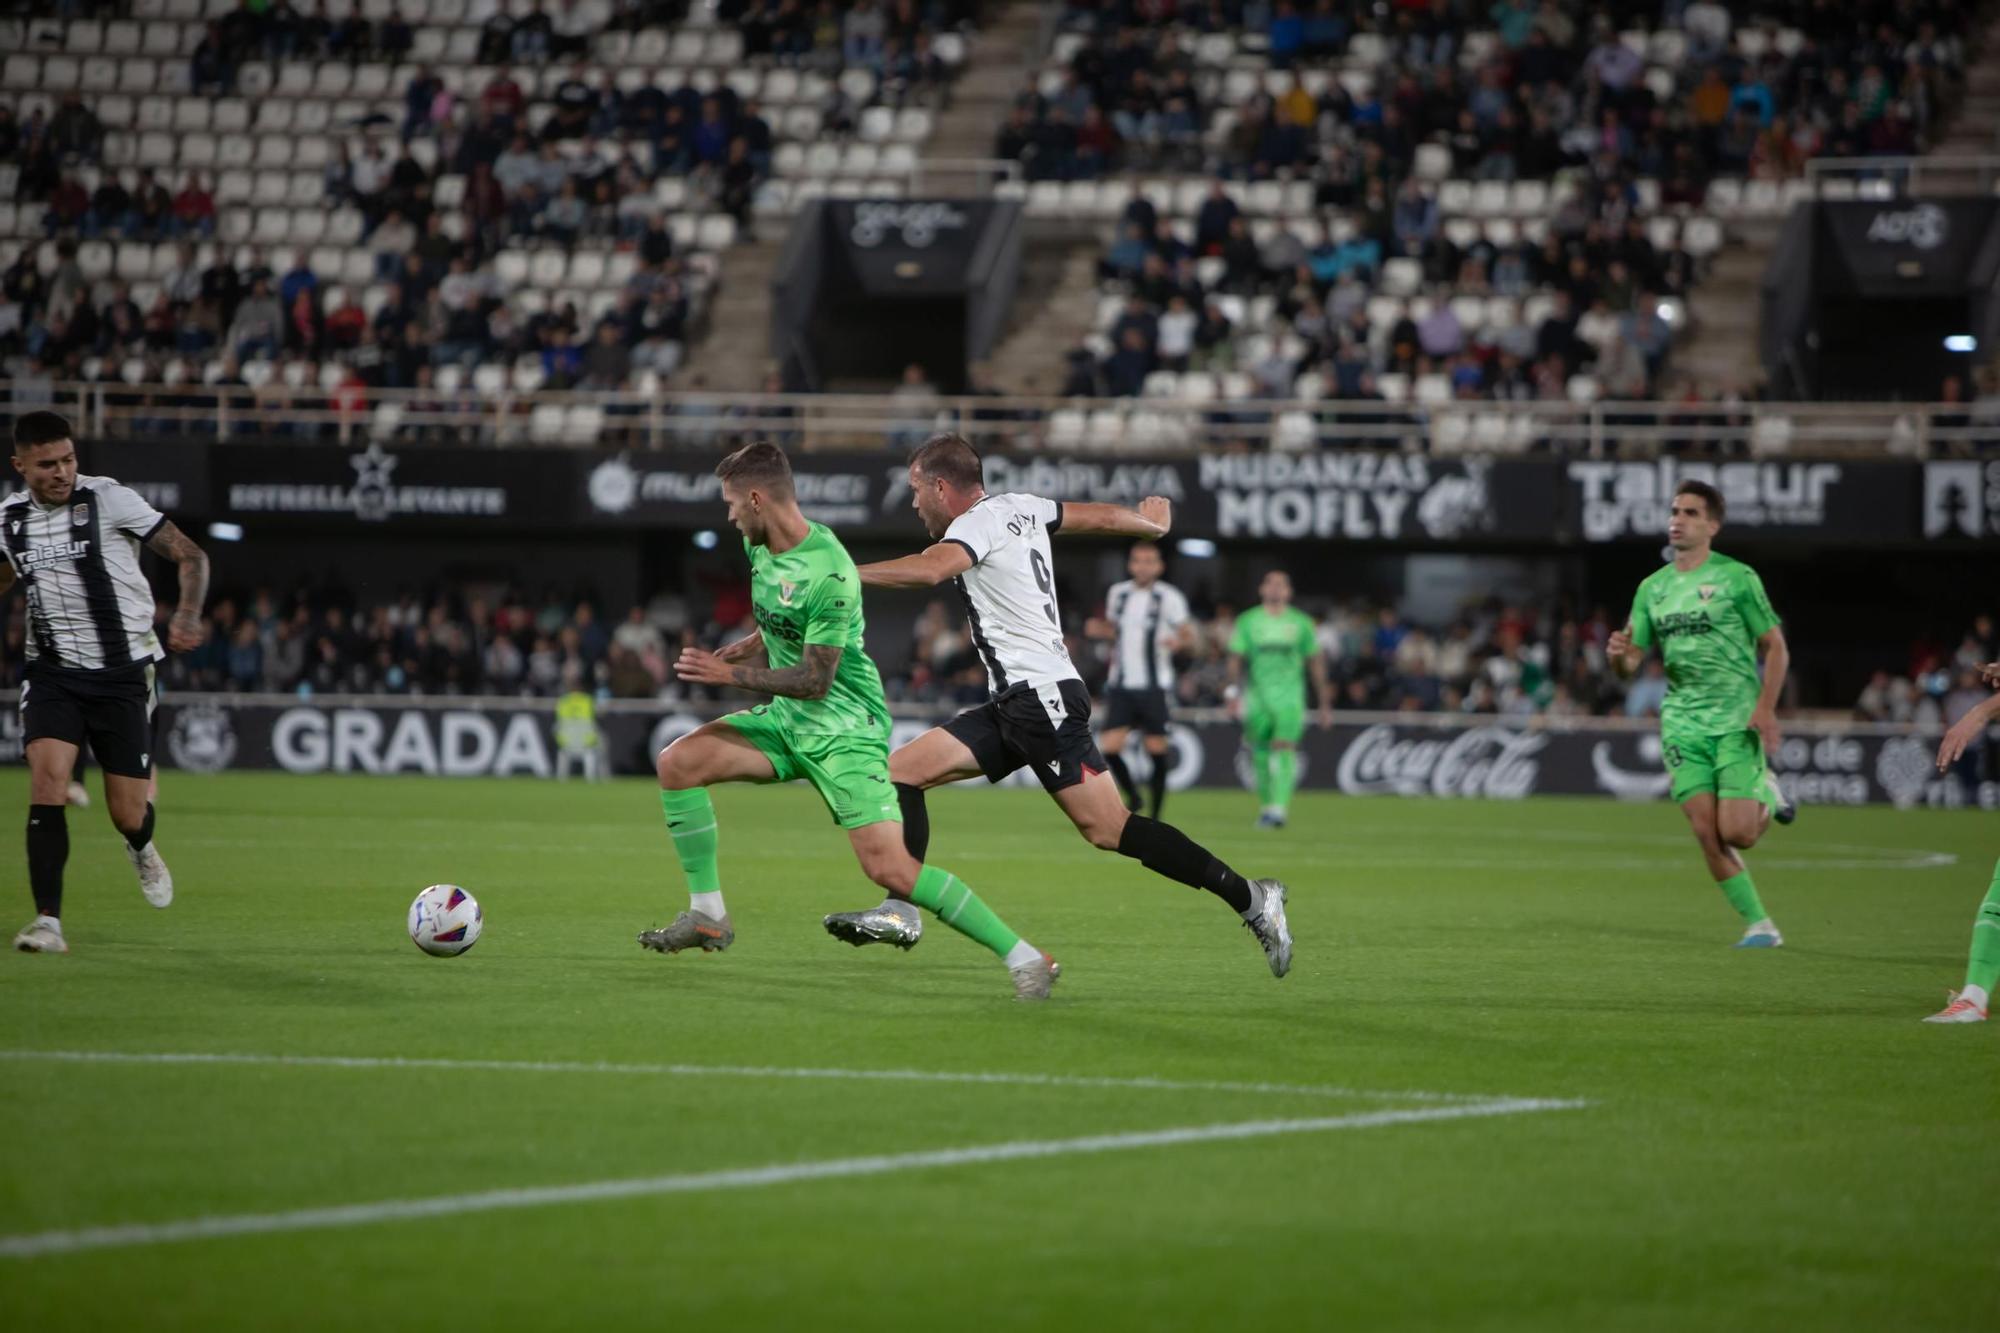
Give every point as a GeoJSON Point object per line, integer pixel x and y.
{"type": "Point", "coordinates": [1769, 1140]}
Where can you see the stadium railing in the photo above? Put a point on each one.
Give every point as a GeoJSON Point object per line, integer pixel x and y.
{"type": "Point", "coordinates": [1109, 426]}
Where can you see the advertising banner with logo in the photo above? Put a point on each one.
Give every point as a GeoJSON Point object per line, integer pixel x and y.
{"type": "Point", "coordinates": [374, 484]}
{"type": "Point", "coordinates": [1347, 495]}
{"type": "Point", "coordinates": [1854, 503]}
{"type": "Point", "coordinates": [1906, 247]}
{"type": "Point", "coordinates": [1961, 501]}
{"type": "Point", "coordinates": [1375, 755]}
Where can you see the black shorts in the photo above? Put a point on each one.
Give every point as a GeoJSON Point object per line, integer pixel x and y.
{"type": "Point", "coordinates": [111, 709]}
{"type": "Point", "coordinates": [1047, 728]}
{"type": "Point", "coordinates": [1143, 709]}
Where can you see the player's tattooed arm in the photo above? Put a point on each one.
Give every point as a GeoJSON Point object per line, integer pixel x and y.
{"type": "Point", "coordinates": [749, 648]}
{"type": "Point", "coordinates": [6, 577]}
{"type": "Point", "coordinates": [185, 630]}
{"type": "Point", "coordinates": [810, 679]}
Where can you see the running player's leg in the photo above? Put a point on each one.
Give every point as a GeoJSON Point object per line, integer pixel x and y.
{"type": "Point", "coordinates": [1288, 726]}
{"type": "Point", "coordinates": [1257, 726]}
{"type": "Point", "coordinates": [1728, 871]}
{"type": "Point", "coordinates": [1112, 742]}
{"type": "Point", "coordinates": [49, 761]}
{"type": "Point", "coordinates": [79, 786]}
{"type": "Point", "coordinates": [120, 728]}
{"type": "Point", "coordinates": [964, 747]}
{"type": "Point", "coordinates": [720, 751]}
{"type": "Point", "coordinates": [1092, 804]}
{"type": "Point", "coordinates": [1745, 799]}
{"type": "Point", "coordinates": [1160, 749]}
{"type": "Point", "coordinates": [885, 860]}
{"type": "Point", "coordinates": [1982, 968]}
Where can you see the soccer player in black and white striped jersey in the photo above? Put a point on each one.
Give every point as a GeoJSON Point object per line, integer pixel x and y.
{"type": "Point", "coordinates": [1147, 620]}
{"type": "Point", "coordinates": [73, 542]}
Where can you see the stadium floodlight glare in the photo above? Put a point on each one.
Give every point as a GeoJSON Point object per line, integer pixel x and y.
{"type": "Point", "coordinates": [705, 540]}
{"type": "Point", "coordinates": [1195, 548]}
{"type": "Point", "coordinates": [226, 532]}
{"type": "Point", "coordinates": [1961, 342]}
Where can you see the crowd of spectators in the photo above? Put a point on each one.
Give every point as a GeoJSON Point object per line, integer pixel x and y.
{"type": "Point", "coordinates": [1607, 282]}
{"type": "Point", "coordinates": [1560, 98]}
{"type": "Point", "coordinates": [1553, 85]}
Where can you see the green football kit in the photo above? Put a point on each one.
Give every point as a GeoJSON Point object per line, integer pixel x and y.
{"type": "Point", "coordinates": [1276, 649]}
{"type": "Point", "coordinates": [811, 594]}
{"type": "Point", "coordinates": [1706, 622]}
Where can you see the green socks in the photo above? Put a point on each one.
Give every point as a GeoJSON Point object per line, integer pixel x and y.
{"type": "Point", "coordinates": [1984, 969]}
{"type": "Point", "coordinates": [946, 895]}
{"type": "Point", "coordinates": [1284, 777]}
{"type": "Point", "coordinates": [691, 824]}
{"type": "Point", "coordinates": [1742, 895]}
{"type": "Point", "coordinates": [1260, 764]}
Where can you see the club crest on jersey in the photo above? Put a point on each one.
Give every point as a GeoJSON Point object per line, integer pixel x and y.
{"type": "Point", "coordinates": [785, 591]}
{"type": "Point", "coordinates": [1707, 591]}
{"type": "Point", "coordinates": [79, 516]}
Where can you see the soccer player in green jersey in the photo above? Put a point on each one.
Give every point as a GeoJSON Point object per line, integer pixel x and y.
{"type": "Point", "coordinates": [1710, 618]}
{"type": "Point", "coordinates": [1982, 970]}
{"type": "Point", "coordinates": [1278, 641]}
{"type": "Point", "coordinates": [827, 723]}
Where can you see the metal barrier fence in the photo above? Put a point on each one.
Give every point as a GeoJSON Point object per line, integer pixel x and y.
{"type": "Point", "coordinates": [495, 414]}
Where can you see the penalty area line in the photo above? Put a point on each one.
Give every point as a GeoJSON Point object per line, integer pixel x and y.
{"type": "Point", "coordinates": [1000, 1078]}
{"type": "Point", "coordinates": [41, 1244]}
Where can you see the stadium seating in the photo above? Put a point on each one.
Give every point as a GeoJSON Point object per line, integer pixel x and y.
{"type": "Point", "coordinates": [1499, 128]}
{"type": "Point", "coordinates": [278, 128]}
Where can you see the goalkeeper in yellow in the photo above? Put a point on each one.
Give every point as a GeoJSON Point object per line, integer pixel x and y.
{"type": "Point", "coordinates": [1710, 618]}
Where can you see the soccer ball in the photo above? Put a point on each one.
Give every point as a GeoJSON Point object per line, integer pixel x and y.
{"type": "Point", "coordinates": [445, 920]}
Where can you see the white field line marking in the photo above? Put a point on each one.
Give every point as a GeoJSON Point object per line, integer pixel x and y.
{"type": "Point", "coordinates": [39, 1244]}
{"type": "Point", "coordinates": [743, 1071]}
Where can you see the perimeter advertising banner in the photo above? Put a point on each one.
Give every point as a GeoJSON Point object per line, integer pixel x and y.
{"type": "Point", "coordinates": [1347, 495]}
{"type": "Point", "coordinates": [1445, 758]}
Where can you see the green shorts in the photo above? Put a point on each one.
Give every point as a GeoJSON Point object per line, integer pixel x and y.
{"type": "Point", "coordinates": [850, 772]}
{"type": "Point", "coordinates": [1731, 765]}
{"type": "Point", "coordinates": [1263, 724]}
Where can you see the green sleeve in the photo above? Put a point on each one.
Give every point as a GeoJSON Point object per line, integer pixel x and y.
{"type": "Point", "coordinates": [1308, 639]}
{"type": "Point", "coordinates": [1754, 604]}
{"type": "Point", "coordinates": [1642, 620]}
{"type": "Point", "coordinates": [1239, 638]}
{"type": "Point", "coordinates": [832, 610]}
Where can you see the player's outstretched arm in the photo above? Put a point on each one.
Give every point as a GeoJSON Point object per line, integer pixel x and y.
{"type": "Point", "coordinates": [185, 630]}
{"type": "Point", "coordinates": [810, 679]}
{"type": "Point", "coordinates": [1965, 731]}
{"type": "Point", "coordinates": [926, 569]}
{"type": "Point", "coordinates": [1153, 517]}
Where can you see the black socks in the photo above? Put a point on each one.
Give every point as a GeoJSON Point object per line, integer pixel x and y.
{"type": "Point", "coordinates": [144, 835]}
{"type": "Point", "coordinates": [1165, 850]}
{"type": "Point", "coordinates": [48, 849]}
{"type": "Point", "coordinates": [1123, 777]}
{"type": "Point", "coordinates": [1163, 764]}
{"type": "Point", "coordinates": [916, 820]}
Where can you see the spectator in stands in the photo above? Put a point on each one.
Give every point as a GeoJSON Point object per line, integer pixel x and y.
{"type": "Point", "coordinates": [608, 364]}
{"type": "Point", "coordinates": [1212, 222]}
{"type": "Point", "coordinates": [1125, 370]}
{"type": "Point", "coordinates": [210, 70]}
{"type": "Point", "coordinates": [533, 37]}
{"type": "Point", "coordinates": [258, 328]}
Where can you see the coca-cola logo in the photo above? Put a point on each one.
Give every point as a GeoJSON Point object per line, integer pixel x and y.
{"type": "Point", "coordinates": [1493, 762]}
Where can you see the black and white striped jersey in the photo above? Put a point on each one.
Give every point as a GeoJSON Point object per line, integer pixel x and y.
{"type": "Point", "coordinates": [1148, 621]}
{"type": "Point", "coordinates": [1010, 591]}
{"type": "Point", "coordinates": [89, 606]}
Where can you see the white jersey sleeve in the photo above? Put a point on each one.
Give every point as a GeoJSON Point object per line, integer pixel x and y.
{"type": "Point", "coordinates": [1010, 592]}
{"type": "Point", "coordinates": [122, 509]}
